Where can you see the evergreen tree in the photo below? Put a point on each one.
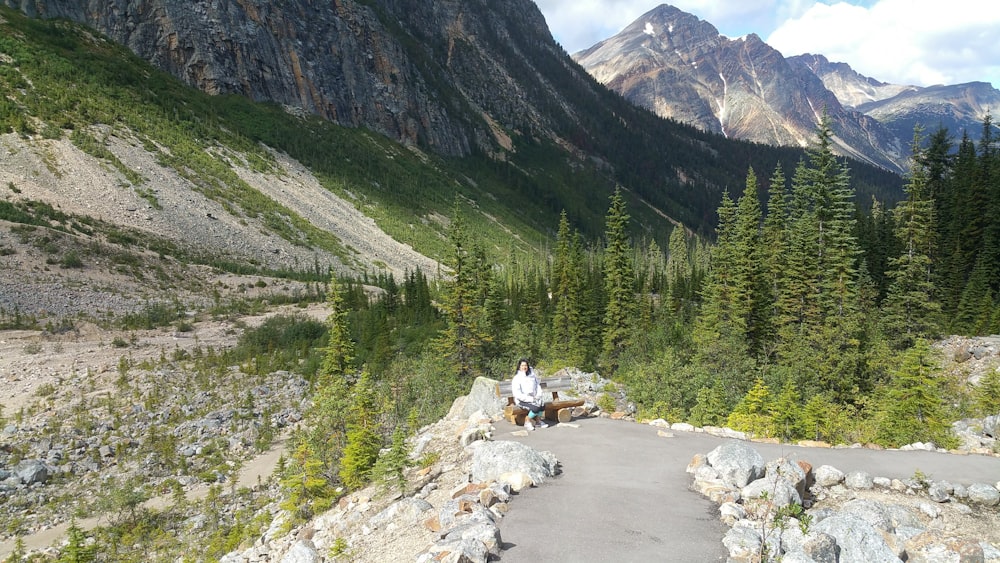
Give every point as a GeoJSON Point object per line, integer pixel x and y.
{"type": "Point", "coordinates": [679, 271]}
{"type": "Point", "coordinates": [308, 491]}
{"type": "Point", "coordinates": [77, 550]}
{"type": "Point", "coordinates": [567, 278]}
{"type": "Point", "coordinates": [710, 407]}
{"type": "Point", "coordinates": [363, 438]}
{"type": "Point", "coordinates": [461, 342]}
{"type": "Point", "coordinates": [786, 415]}
{"type": "Point", "coordinates": [911, 408]}
{"type": "Point", "coordinates": [619, 280]}
{"type": "Point", "coordinates": [752, 414]}
{"type": "Point", "coordinates": [911, 308]}
{"type": "Point", "coordinates": [338, 356]}
{"type": "Point", "coordinates": [326, 435]}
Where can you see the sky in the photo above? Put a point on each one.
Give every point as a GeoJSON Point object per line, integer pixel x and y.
{"type": "Point", "coordinates": [919, 42]}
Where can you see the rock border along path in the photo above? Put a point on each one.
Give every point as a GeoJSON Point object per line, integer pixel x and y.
{"type": "Point", "coordinates": [624, 494]}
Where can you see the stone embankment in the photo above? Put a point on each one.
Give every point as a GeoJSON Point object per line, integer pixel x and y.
{"type": "Point", "coordinates": [852, 517]}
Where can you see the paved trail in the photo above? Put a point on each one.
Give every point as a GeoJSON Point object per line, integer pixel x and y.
{"type": "Point", "coordinates": [623, 495]}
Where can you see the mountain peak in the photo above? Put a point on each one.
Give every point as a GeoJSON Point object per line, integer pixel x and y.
{"type": "Point", "coordinates": [681, 68]}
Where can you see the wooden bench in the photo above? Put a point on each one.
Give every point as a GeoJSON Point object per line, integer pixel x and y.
{"type": "Point", "coordinates": [559, 410]}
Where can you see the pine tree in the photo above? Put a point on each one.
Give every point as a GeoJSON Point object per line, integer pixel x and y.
{"type": "Point", "coordinates": [363, 438]}
{"type": "Point", "coordinates": [753, 413]}
{"type": "Point", "coordinates": [338, 356]}
{"type": "Point", "coordinates": [77, 550]}
{"type": "Point", "coordinates": [911, 408]}
{"type": "Point", "coordinates": [619, 280]}
{"type": "Point", "coordinates": [911, 308]}
{"type": "Point", "coordinates": [461, 342]}
{"type": "Point", "coordinates": [679, 270]}
{"type": "Point", "coordinates": [308, 491]}
{"type": "Point", "coordinates": [786, 413]}
{"type": "Point", "coordinates": [567, 278]}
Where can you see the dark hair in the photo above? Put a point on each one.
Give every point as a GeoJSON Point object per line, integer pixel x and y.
{"type": "Point", "coordinates": [518, 366]}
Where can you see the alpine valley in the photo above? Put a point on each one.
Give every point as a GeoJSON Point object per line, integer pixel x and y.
{"type": "Point", "coordinates": [680, 67]}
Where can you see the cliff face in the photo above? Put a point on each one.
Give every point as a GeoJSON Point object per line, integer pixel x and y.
{"type": "Point", "coordinates": [385, 65]}
{"type": "Point", "coordinates": [681, 67]}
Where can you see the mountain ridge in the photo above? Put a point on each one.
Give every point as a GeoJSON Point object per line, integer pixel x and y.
{"type": "Point", "coordinates": [679, 66]}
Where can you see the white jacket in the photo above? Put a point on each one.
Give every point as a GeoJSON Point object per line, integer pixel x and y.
{"type": "Point", "coordinates": [526, 388]}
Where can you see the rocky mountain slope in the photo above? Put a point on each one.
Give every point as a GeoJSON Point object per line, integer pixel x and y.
{"type": "Point", "coordinates": [480, 79]}
{"type": "Point", "coordinates": [956, 107]}
{"type": "Point", "coordinates": [680, 67]}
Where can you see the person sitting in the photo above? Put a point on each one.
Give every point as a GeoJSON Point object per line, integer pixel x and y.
{"type": "Point", "coordinates": [527, 393]}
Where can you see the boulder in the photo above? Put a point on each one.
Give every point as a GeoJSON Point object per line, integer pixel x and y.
{"type": "Point", "coordinates": [738, 464]}
{"type": "Point", "coordinates": [872, 512]}
{"type": "Point", "coordinates": [491, 459]}
{"type": "Point", "coordinates": [857, 540]}
{"type": "Point", "coordinates": [302, 551]}
{"type": "Point", "coordinates": [483, 532]}
{"type": "Point", "coordinates": [991, 426]}
{"type": "Point", "coordinates": [765, 496]}
{"type": "Point", "coordinates": [31, 471]}
{"type": "Point", "coordinates": [935, 546]}
{"type": "Point", "coordinates": [828, 476]}
{"type": "Point", "coordinates": [455, 551]}
{"type": "Point", "coordinates": [403, 512]}
{"type": "Point", "coordinates": [743, 542]}
{"type": "Point", "coordinates": [790, 471]}
{"type": "Point", "coordinates": [482, 397]}
{"type": "Point", "coordinates": [820, 547]}
{"type": "Point", "coordinates": [981, 493]}
{"type": "Point", "coordinates": [859, 480]}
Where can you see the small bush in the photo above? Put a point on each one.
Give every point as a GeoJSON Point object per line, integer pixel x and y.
{"type": "Point", "coordinates": [71, 260]}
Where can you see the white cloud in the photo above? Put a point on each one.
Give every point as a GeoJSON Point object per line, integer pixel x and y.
{"type": "Point", "coordinates": [919, 42]}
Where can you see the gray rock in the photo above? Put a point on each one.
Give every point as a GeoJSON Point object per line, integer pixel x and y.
{"type": "Point", "coordinates": [403, 512]}
{"type": "Point", "coordinates": [872, 512]}
{"type": "Point", "coordinates": [981, 493]}
{"type": "Point", "coordinates": [828, 476]}
{"type": "Point", "coordinates": [858, 541]}
{"type": "Point", "coordinates": [486, 533]}
{"type": "Point", "coordinates": [302, 551]}
{"type": "Point", "coordinates": [991, 426]}
{"type": "Point", "coordinates": [462, 510]}
{"type": "Point", "coordinates": [859, 480]}
{"type": "Point", "coordinates": [961, 492]}
{"type": "Point", "coordinates": [455, 551]}
{"type": "Point", "coordinates": [738, 464]}
{"type": "Point", "coordinates": [939, 492]}
{"type": "Point", "coordinates": [821, 547]}
{"type": "Point", "coordinates": [743, 542]}
{"type": "Point", "coordinates": [790, 472]}
{"type": "Point", "coordinates": [934, 546]}
{"type": "Point", "coordinates": [932, 511]}
{"type": "Point", "coordinates": [483, 397]}
{"type": "Point", "coordinates": [776, 490]}
{"type": "Point", "coordinates": [492, 459]}
{"type": "Point", "coordinates": [31, 471]}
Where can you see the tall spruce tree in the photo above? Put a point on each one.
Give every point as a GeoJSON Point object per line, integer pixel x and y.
{"type": "Point", "coordinates": [619, 283]}
{"type": "Point", "coordinates": [461, 342]}
{"type": "Point", "coordinates": [911, 308]}
{"type": "Point", "coordinates": [567, 335]}
{"type": "Point", "coordinates": [818, 311]}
